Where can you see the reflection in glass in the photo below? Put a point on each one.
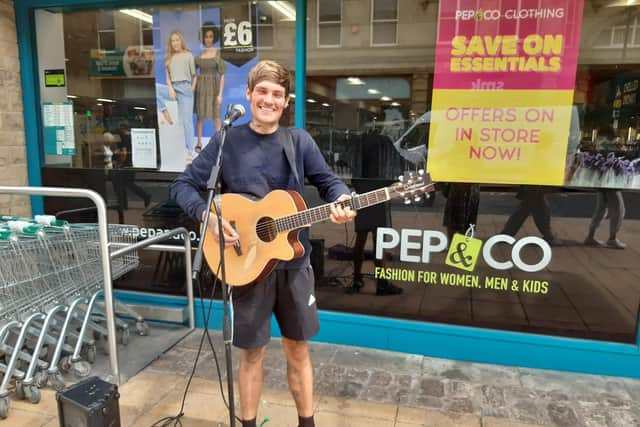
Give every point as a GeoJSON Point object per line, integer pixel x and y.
{"type": "Point", "coordinates": [578, 298]}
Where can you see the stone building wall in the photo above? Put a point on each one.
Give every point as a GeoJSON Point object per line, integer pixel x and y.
{"type": "Point", "coordinates": [13, 162]}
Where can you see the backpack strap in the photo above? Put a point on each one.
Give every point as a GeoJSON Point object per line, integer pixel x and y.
{"type": "Point", "coordinates": [287, 143]}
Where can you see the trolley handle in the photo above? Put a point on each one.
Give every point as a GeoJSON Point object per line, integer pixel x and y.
{"type": "Point", "coordinates": [24, 227]}
{"type": "Point", "coordinates": [49, 220]}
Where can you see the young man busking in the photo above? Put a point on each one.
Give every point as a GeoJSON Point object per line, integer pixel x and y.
{"type": "Point", "coordinates": [255, 163]}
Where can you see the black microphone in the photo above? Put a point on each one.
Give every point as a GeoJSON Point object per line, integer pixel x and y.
{"type": "Point", "coordinates": [234, 114]}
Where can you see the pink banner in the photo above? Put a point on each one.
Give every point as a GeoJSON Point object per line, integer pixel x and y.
{"type": "Point", "coordinates": [508, 44]}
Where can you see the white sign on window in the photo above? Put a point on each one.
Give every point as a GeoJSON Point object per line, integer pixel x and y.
{"type": "Point", "coordinates": [143, 148]}
{"type": "Point", "coordinates": [57, 118]}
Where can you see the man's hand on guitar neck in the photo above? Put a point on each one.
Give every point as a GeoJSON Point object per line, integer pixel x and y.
{"type": "Point", "coordinates": [230, 235]}
{"type": "Point", "coordinates": [340, 215]}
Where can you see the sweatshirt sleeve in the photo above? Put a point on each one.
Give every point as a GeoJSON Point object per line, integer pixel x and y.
{"type": "Point", "coordinates": [318, 172]}
{"type": "Point", "coordinates": [187, 187]}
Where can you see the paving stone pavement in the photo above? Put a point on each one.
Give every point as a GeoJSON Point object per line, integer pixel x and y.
{"type": "Point", "coordinates": [359, 387]}
{"type": "Point", "coordinates": [495, 394]}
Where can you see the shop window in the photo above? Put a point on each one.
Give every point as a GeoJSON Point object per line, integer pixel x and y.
{"type": "Point", "coordinates": [115, 75]}
{"type": "Point", "coordinates": [329, 23]}
{"type": "Point", "coordinates": [371, 115]}
{"type": "Point", "coordinates": [357, 111]}
{"type": "Point", "coordinates": [384, 22]}
{"type": "Point", "coordinates": [115, 128]}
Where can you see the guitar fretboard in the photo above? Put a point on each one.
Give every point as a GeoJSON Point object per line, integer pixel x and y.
{"type": "Point", "coordinates": [321, 213]}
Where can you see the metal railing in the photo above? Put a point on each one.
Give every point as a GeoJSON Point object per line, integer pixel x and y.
{"type": "Point", "coordinates": [106, 257]}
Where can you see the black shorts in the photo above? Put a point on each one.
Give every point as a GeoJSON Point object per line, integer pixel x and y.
{"type": "Point", "coordinates": [289, 294]}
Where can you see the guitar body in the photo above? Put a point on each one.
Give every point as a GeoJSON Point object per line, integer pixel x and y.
{"type": "Point", "coordinates": [260, 245]}
{"type": "Point", "coordinates": [269, 228]}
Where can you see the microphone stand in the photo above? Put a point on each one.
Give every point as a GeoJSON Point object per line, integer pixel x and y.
{"type": "Point", "coordinates": [213, 185]}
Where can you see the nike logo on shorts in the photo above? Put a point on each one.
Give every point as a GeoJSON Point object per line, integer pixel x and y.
{"type": "Point", "coordinates": [312, 299]}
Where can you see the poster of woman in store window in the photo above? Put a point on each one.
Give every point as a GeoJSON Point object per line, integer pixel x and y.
{"type": "Point", "coordinates": [179, 39]}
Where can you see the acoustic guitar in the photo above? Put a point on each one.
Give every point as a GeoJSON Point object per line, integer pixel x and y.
{"type": "Point", "coordinates": [269, 228]}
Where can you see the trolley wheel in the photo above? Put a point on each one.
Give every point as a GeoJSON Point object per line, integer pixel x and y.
{"type": "Point", "coordinates": [124, 336]}
{"type": "Point", "coordinates": [142, 328]}
{"type": "Point", "coordinates": [105, 346]}
{"type": "Point", "coordinates": [44, 353]}
{"type": "Point", "coordinates": [56, 381]}
{"type": "Point", "coordinates": [65, 364]}
{"type": "Point", "coordinates": [20, 394]}
{"type": "Point", "coordinates": [81, 368]}
{"type": "Point", "coordinates": [90, 352]}
{"type": "Point", "coordinates": [40, 379]}
{"type": "Point", "coordinates": [32, 392]}
{"type": "Point", "coordinates": [4, 407]}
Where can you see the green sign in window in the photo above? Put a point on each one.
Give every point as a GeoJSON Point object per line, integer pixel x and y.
{"type": "Point", "coordinates": [54, 78]}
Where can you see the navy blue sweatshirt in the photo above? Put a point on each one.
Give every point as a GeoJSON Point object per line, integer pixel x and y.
{"type": "Point", "coordinates": [254, 164]}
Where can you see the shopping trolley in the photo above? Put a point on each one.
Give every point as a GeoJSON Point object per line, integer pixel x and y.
{"type": "Point", "coordinates": [51, 279]}
{"type": "Point", "coordinates": [10, 328]}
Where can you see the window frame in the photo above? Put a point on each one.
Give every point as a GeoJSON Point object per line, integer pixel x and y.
{"type": "Point", "coordinates": [319, 24]}
{"type": "Point", "coordinates": [634, 29]}
{"type": "Point", "coordinates": [378, 21]}
{"type": "Point", "coordinates": [100, 31]}
{"type": "Point", "coordinates": [271, 25]}
{"type": "Point", "coordinates": [373, 21]}
{"type": "Point", "coordinates": [141, 31]}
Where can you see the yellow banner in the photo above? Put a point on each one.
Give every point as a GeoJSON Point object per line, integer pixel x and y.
{"type": "Point", "coordinates": [502, 136]}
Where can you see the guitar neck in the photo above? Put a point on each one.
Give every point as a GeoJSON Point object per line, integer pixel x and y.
{"type": "Point", "coordinates": [321, 213]}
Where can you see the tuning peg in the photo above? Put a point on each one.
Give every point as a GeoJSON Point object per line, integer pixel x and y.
{"type": "Point", "coordinates": [407, 201]}
{"type": "Point", "coordinates": [401, 178]}
{"type": "Point", "coordinates": [421, 172]}
{"type": "Point", "coordinates": [410, 174]}
{"type": "Point", "coordinates": [427, 196]}
{"type": "Point", "coordinates": [417, 198]}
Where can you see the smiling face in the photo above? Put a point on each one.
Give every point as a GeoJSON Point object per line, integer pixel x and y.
{"type": "Point", "coordinates": [268, 101]}
{"type": "Point", "coordinates": [268, 86]}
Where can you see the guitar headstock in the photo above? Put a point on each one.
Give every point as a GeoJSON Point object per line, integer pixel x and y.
{"type": "Point", "coordinates": [412, 186]}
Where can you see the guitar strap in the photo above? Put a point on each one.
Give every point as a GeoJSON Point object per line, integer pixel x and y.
{"type": "Point", "coordinates": [290, 153]}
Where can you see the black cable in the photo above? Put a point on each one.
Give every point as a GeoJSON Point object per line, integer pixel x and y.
{"type": "Point", "coordinates": [213, 350]}
{"type": "Point", "coordinates": [166, 421]}
{"type": "Point", "coordinates": [176, 420]}
{"type": "Point", "coordinates": [346, 235]}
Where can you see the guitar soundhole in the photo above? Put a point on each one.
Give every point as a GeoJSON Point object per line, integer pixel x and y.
{"type": "Point", "coordinates": [266, 229]}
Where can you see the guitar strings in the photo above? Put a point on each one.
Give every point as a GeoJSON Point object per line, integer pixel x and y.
{"type": "Point", "coordinates": [370, 197]}
{"type": "Point", "coordinates": [290, 221]}
{"type": "Point", "coordinates": [299, 215]}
